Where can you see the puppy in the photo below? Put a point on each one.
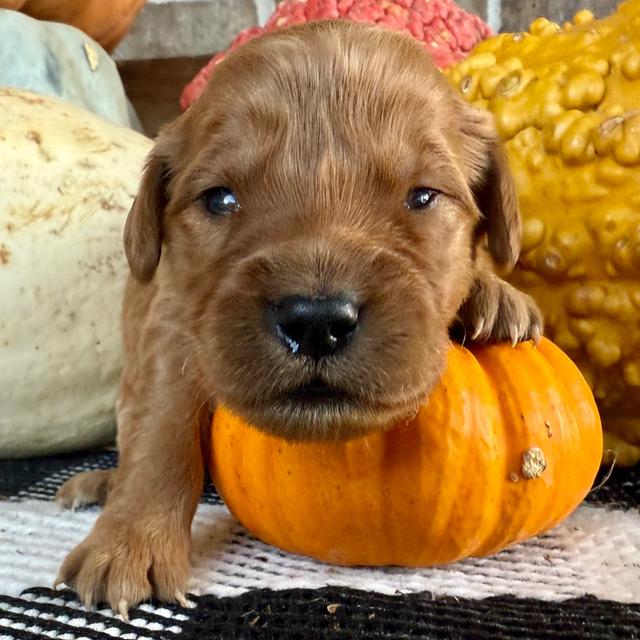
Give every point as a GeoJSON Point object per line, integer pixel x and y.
{"type": "Point", "coordinates": [304, 239]}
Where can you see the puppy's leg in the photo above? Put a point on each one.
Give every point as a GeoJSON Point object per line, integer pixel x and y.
{"type": "Point", "coordinates": [88, 487]}
{"type": "Point", "coordinates": [495, 311]}
{"type": "Point", "coordinates": [140, 543]}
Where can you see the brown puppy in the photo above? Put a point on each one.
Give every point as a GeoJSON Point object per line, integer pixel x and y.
{"type": "Point", "coordinates": [304, 238]}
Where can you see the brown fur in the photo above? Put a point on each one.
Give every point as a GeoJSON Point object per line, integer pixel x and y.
{"type": "Point", "coordinates": [321, 130]}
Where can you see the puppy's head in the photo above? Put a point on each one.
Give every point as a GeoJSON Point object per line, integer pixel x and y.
{"type": "Point", "coordinates": [315, 218]}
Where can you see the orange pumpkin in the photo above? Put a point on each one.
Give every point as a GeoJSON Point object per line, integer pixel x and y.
{"type": "Point", "coordinates": [106, 21]}
{"type": "Point", "coordinates": [507, 446]}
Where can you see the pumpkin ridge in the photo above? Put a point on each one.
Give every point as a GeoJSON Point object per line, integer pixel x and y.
{"type": "Point", "coordinates": [438, 410]}
{"type": "Point", "coordinates": [275, 460]}
{"type": "Point", "coordinates": [564, 428]}
{"type": "Point", "coordinates": [500, 434]}
{"type": "Point", "coordinates": [442, 450]}
{"type": "Point", "coordinates": [474, 419]}
{"type": "Point", "coordinates": [569, 378]}
{"type": "Point", "coordinates": [567, 430]}
{"type": "Point", "coordinates": [514, 427]}
{"type": "Point", "coordinates": [491, 413]}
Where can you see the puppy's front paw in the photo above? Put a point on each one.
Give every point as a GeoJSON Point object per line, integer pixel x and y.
{"type": "Point", "coordinates": [497, 312]}
{"type": "Point", "coordinates": [124, 563]}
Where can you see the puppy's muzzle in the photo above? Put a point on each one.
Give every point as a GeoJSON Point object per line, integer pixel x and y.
{"type": "Point", "coordinates": [314, 327]}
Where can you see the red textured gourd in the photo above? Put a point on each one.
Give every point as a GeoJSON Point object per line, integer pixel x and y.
{"type": "Point", "coordinates": [447, 32]}
{"type": "Point", "coordinates": [507, 445]}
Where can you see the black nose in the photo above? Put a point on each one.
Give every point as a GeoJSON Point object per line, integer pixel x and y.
{"type": "Point", "coordinates": [315, 327]}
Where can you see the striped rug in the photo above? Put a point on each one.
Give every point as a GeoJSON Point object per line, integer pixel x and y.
{"type": "Point", "coordinates": [580, 580]}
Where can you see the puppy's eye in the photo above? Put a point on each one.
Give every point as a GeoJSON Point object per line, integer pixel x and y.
{"type": "Point", "coordinates": [220, 201]}
{"type": "Point", "coordinates": [421, 198]}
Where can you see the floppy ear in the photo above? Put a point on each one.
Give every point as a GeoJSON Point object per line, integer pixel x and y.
{"type": "Point", "coordinates": [143, 229]}
{"type": "Point", "coordinates": [493, 188]}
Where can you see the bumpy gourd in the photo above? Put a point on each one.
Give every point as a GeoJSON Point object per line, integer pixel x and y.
{"type": "Point", "coordinates": [505, 447]}
{"type": "Point", "coordinates": [566, 101]}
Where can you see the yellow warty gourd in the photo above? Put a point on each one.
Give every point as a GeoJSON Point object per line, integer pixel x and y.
{"type": "Point", "coordinates": [566, 101]}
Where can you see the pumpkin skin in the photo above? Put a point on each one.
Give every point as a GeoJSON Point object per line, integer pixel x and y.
{"type": "Point", "coordinates": [565, 101]}
{"type": "Point", "coordinates": [106, 21]}
{"type": "Point", "coordinates": [446, 485]}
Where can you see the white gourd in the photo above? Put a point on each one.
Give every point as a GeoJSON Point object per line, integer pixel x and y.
{"type": "Point", "coordinates": [67, 181]}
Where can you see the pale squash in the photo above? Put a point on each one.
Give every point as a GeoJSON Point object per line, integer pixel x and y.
{"type": "Point", "coordinates": [68, 181]}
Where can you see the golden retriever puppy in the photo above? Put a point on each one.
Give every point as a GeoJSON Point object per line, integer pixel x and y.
{"type": "Point", "coordinates": [304, 240]}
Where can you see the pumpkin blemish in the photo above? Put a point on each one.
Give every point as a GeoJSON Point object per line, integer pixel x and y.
{"type": "Point", "coordinates": [533, 463]}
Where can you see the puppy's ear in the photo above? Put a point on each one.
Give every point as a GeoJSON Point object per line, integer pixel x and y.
{"type": "Point", "coordinates": [493, 188]}
{"type": "Point", "coordinates": [143, 229]}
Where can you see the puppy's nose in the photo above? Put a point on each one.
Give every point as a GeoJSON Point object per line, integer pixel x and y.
{"type": "Point", "coordinates": [315, 327]}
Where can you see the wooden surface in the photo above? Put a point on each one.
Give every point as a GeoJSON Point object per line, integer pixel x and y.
{"type": "Point", "coordinates": [154, 87]}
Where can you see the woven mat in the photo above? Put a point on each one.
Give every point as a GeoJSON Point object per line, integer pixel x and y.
{"type": "Point", "coordinates": [581, 580]}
